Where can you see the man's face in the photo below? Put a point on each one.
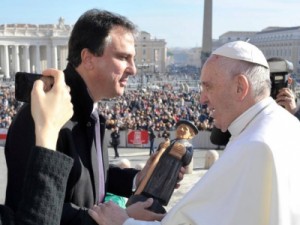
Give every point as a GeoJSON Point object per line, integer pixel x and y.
{"type": "Point", "coordinates": [110, 72]}
{"type": "Point", "coordinates": [217, 93]}
{"type": "Point", "coordinates": [183, 132]}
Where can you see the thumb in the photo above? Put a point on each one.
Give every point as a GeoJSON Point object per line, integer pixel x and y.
{"type": "Point", "coordinates": [38, 88]}
{"type": "Point", "coordinates": [146, 204]}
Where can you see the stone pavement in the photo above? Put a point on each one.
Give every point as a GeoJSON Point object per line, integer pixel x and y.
{"type": "Point", "coordinates": [3, 174]}
{"type": "Point", "coordinates": [136, 156]}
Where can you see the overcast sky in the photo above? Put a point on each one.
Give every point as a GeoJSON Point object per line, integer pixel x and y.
{"type": "Point", "coordinates": [179, 22]}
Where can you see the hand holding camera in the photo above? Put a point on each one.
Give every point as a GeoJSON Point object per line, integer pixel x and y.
{"type": "Point", "coordinates": [287, 99]}
{"type": "Point", "coordinates": [24, 84]}
{"type": "Point", "coordinates": [50, 100]}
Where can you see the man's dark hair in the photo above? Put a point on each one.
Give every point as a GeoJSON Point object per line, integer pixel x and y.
{"type": "Point", "coordinates": [91, 30]}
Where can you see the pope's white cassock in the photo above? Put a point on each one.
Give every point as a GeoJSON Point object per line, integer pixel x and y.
{"type": "Point", "coordinates": [256, 181]}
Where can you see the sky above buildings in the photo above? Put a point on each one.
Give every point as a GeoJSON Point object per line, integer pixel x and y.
{"type": "Point", "coordinates": [179, 22]}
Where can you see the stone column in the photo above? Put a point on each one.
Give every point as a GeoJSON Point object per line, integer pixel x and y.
{"type": "Point", "coordinates": [207, 31]}
{"type": "Point", "coordinates": [6, 62]}
{"type": "Point", "coordinates": [37, 59]}
{"type": "Point", "coordinates": [16, 58]}
{"type": "Point", "coordinates": [54, 56]}
{"type": "Point", "coordinates": [49, 56]}
{"type": "Point", "coordinates": [26, 58]}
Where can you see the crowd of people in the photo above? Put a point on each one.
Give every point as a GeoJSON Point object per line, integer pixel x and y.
{"type": "Point", "coordinates": [162, 108]}
{"type": "Point", "coordinates": [9, 106]}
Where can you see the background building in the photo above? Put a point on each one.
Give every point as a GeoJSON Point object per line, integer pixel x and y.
{"type": "Point", "coordinates": [150, 53]}
{"type": "Point", "coordinates": [282, 42]}
{"type": "Point", "coordinates": [233, 36]}
{"type": "Point", "coordinates": [33, 48]}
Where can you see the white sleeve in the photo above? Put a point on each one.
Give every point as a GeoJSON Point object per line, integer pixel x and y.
{"type": "Point", "coordinates": [132, 221]}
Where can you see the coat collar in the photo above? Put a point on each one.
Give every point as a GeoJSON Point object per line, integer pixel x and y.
{"type": "Point", "coordinates": [82, 102]}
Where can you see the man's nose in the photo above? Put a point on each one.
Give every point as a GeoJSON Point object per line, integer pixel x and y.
{"type": "Point", "coordinates": [132, 68]}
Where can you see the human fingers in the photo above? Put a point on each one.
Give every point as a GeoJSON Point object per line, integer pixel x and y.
{"type": "Point", "coordinates": [109, 213]}
{"type": "Point", "coordinates": [140, 211]}
{"type": "Point", "coordinates": [146, 204]}
{"type": "Point", "coordinates": [95, 213]}
{"type": "Point", "coordinates": [58, 75]}
{"type": "Point", "coordinates": [37, 90]}
{"type": "Point", "coordinates": [286, 92]}
{"type": "Point", "coordinates": [57, 81]}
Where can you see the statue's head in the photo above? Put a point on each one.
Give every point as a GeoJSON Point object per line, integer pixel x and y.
{"type": "Point", "coordinates": [185, 129]}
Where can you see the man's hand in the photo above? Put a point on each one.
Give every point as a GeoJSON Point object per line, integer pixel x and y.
{"type": "Point", "coordinates": [286, 98]}
{"type": "Point", "coordinates": [50, 109]}
{"type": "Point", "coordinates": [108, 213]}
{"type": "Point", "coordinates": [139, 211]}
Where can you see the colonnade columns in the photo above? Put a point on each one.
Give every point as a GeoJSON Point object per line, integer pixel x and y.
{"type": "Point", "coordinates": [27, 58]}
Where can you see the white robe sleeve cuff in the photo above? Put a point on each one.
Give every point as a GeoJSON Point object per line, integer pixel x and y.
{"type": "Point", "coordinates": [132, 221]}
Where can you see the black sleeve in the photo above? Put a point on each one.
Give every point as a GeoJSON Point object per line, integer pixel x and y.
{"type": "Point", "coordinates": [44, 190]}
{"type": "Point", "coordinates": [19, 142]}
{"type": "Point", "coordinates": [76, 215]}
{"type": "Point", "coordinates": [6, 216]}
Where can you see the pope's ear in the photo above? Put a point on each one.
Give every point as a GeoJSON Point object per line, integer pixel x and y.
{"type": "Point", "coordinates": [242, 86]}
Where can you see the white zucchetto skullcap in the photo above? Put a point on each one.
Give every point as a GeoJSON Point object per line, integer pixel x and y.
{"type": "Point", "coordinates": [242, 50]}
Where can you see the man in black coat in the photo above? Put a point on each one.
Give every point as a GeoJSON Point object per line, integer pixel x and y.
{"type": "Point", "coordinates": [101, 58]}
{"type": "Point", "coordinates": [152, 137]}
{"type": "Point", "coordinates": [115, 140]}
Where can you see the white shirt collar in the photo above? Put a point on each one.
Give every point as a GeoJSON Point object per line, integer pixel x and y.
{"type": "Point", "coordinates": [240, 123]}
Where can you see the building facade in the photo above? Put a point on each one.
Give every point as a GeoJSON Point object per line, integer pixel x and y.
{"type": "Point", "coordinates": [282, 42]}
{"type": "Point", "coordinates": [233, 36]}
{"type": "Point", "coordinates": [33, 48]}
{"type": "Point", "coordinates": [151, 53]}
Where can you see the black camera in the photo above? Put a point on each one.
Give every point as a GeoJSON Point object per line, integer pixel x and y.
{"type": "Point", "coordinates": [280, 70]}
{"type": "Point", "coordinates": [24, 83]}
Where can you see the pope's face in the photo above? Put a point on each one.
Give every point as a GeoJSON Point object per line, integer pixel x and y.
{"type": "Point", "coordinates": [183, 132]}
{"type": "Point", "coordinates": [217, 92]}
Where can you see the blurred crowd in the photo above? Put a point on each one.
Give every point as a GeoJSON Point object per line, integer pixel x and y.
{"type": "Point", "coordinates": [138, 110]}
{"type": "Point", "coordinates": [8, 106]}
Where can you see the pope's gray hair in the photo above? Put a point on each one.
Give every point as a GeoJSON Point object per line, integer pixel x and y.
{"type": "Point", "coordinates": [258, 76]}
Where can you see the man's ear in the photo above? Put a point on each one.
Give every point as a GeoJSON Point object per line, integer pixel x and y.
{"type": "Point", "coordinates": [242, 87]}
{"type": "Point", "coordinates": [86, 59]}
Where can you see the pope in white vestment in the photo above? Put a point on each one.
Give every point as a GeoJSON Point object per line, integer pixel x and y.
{"type": "Point", "coordinates": [255, 182]}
